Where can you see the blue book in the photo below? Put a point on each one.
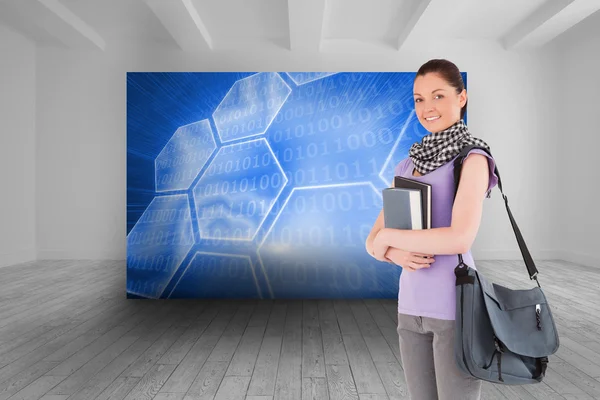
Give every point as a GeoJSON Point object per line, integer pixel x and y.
{"type": "Point", "coordinates": [402, 208]}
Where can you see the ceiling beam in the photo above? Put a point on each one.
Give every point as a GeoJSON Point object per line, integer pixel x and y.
{"type": "Point", "coordinates": [420, 14]}
{"type": "Point", "coordinates": [550, 20]}
{"type": "Point", "coordinates": [306, 24]}
{"type": "Point", "coordinates": [73, 24]}
{"type": "Point", "coordinates": [183, 22]}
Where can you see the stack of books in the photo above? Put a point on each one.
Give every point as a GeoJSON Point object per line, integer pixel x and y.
{"type": "Point", "coordinates": [407, 205]}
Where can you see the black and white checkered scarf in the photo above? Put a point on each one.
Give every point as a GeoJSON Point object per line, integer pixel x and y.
{"type": "Point", "coordinates": [438, 148]}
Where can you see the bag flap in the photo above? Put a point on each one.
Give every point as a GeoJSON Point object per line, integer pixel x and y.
{"type": "Point", "coordinates": [513, 317]}
{"type": "Point", "coordinates": [510, 299]}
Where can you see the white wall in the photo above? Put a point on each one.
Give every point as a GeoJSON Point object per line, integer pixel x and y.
{"type": "Point", "coordinates": [81, 120]}
{"type": "Point", "coordinates": [580, 140]}
{"type": "Point", "coordinates": [17, 149]}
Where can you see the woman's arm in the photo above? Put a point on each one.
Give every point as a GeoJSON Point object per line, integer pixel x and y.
{"type": "Point", "coordinates": [466, 218]}
{"type": "Point", "coordinates": [377, 226]}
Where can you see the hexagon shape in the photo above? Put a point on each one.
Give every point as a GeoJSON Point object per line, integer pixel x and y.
{"type": "Point", "coordinates": [250, 105]}
{"type": "Point", "coordinates": [300, 78]}
{"type": "Point", "coordinates": [341, 129]}
{"type": "Point", "coordinates": [315, 246]}
{"type": "Point", "coordinates": [217, 275]}
{"type": "Point", "coordinates": [157, 244]}
{"type": "Point", "coordinates": [183, 156]}
{"type": "Point", "coordinates": [237, 191]}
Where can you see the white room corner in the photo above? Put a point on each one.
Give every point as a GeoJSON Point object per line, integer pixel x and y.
{"type": "Point", "coordinates": [578, 141]}
{"type": "Point", "coordinates": [18, 151]}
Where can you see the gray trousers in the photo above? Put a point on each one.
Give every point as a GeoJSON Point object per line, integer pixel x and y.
{"type": "Point", "coordinates": [427, 353]}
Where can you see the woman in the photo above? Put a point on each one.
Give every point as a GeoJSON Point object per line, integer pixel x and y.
{"type": "Point", "coordinates": [426, 299]}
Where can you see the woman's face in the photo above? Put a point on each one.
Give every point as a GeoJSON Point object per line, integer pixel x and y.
{"type": "Point", "coordinates": [434, 97]}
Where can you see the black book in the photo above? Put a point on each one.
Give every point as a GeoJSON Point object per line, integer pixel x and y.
{"type": "Point", "coordinates": [425, 189]}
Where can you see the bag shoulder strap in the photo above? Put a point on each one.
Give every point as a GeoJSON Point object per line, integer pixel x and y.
{"type": "Point", "coordinates": [458, 162]}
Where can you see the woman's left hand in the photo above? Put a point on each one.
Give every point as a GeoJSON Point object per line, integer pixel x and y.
{"type": "Point", "coordinates": [380, 246]}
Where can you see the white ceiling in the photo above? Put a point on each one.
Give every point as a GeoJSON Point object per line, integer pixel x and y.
{"type": "Point", "coordinates": [297, 25]}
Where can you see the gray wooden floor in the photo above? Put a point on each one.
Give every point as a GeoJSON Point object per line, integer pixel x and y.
{"type": "Point", "coordinates": [67, 332]}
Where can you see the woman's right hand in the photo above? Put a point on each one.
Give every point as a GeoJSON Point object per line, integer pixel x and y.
{"type": "Point", "coordinates": [408, 260]}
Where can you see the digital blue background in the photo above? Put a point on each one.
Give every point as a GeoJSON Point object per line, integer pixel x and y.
{"type": "Point", "coordinates": [218, 207]}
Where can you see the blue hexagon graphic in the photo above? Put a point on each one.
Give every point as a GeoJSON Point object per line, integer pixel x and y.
{"type": "Point", "coordinates": [217, 275]}
{"type": "Point", "coordinates": [157, 244]}
{"type": "Point", "coordinates": [300, 78]}
{"type": "Point", "coordinates": [250, 105]}
{"type": "Point", "coordinates": [341, 129]}
{"type": "Point", "coordinates": [183, 156]}
{"type": "Point", "coordinates": [237, 191]}
{"type": "Point", "coordinates": [315, 246]}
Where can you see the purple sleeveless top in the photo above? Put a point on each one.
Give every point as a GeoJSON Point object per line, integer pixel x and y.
{"type": "Point", "coordinates": [430, 292]}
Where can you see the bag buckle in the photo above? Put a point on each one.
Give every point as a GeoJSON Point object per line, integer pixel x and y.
{"type": "Point", "coordinates": [498, 345]}
{"type": "Point", "coordinates": [544, 364]}
{"type": "Point", "coordinates": [461, 269]}
{"type": "Point", "coordinates": [535, 274]}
